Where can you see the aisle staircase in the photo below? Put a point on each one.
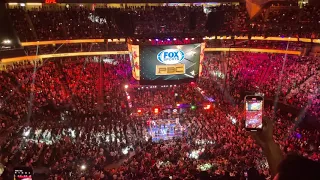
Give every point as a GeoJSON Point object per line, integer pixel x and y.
{"type": "Point", "coordinates": [294, 91]}
{"type": "Point", "coordinates": [264, 74]}
{"type": "Point", "coordinates": [64, 82]}
{"type": "Point", "coordinates": [64, 23]}
{"type": "Point", "coordinates": [14, 81]}
{"type": "Point", "coordinates": [30, 24]}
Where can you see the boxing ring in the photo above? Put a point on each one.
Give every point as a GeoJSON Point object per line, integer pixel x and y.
{"type": "Point", "coordinates": [165, 129]}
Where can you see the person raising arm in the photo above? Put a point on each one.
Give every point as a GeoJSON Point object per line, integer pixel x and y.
{"type": "Point", "coordinates": [291, 167]}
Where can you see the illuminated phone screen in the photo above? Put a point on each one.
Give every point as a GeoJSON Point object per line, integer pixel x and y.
{"type": "Point", "coordinates": [254, 114]}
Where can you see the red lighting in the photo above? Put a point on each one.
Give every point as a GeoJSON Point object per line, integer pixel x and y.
{"type": "Point", "coordinates": [178, 105]}
{"type": "Point", "coordinates": [156, 110]}
{"type": "Point", "coordinates": [207, 107]}
{"type": "Point", "coordinates": [50, 1]}
{"type": "Point", "coordinates": [139, 111]}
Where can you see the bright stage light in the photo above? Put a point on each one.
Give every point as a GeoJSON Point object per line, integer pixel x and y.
{"type": "Point", "coordinates": [174, 39]}
{"type": "Point", "coordinates": [157, 39]}
{"type": "Point", "coordinates": [150, 40]}
{"type": "Point", "coordinates": [125, 150]}
{"type": "Point", "coordinates": [26, 133]}
{"type": "Point", "coordinates": [207, 107]}
{"type": "Point", "coordinates": [128, 97]}
{"type": "Point", "coordinates": [126, 86]}
{"type": "Point", "coordinates": [186, 39]}
{"type": "Point", "coordinates": [168, 39]}
{"type": "Point", "coordinates": [6, 41]}
{"type": "Point", "coordinates": [139, 111]}
{"type": "Point", "coordinates": [156, 110]}
{"type": "Point", "coordinates": [178, 105]}
{"type": "Point", "coordinates": [195, 153]}
{"type": "Point", "coordinates": [83, 167]}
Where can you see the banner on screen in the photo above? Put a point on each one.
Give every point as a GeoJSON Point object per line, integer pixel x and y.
{"type": "Point", "coordinates": [134, 60]}
{"type": "Point", "coordinates": [172, 62]}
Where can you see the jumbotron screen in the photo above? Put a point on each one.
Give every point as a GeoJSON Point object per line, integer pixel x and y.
{"type": "Point", "coordinates": [170, 63]}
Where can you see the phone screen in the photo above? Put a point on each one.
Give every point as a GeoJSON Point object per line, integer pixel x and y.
{"type": "Point", "coordinates": [254, 107]}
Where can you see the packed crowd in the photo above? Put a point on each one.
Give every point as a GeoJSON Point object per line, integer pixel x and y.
{"type": "Point", "coordinates": [72, 103]}
{"type": "Point", "coordinates": [73, 118]}
{"type": "Point", "coordinates": [169, 95]}
{"type": "Point", "coordinates": [81, 22]}
{"type": "Point", "coordinates": [215, 145]}
{"type": "Point", "coordinates": [263, 73]}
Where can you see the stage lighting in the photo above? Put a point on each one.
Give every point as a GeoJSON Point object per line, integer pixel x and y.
{"type": "Point", "coordinates": [138, 40]}
{"type": "Point", "coordinates": [174, 39]}
{"type": "Point", "coordinates": [6, 41]}
{"type": "Point", "coordinates": [139, 111]}
{"type": "Point", "coordinates": [193, 107]}
{"type": "Point", "coordinates": [192, 38]}
{"type": "Point", "coordinates": [26, 133]}
{"type": "Point", "coordinates": [128, 97]}
{"type": "Point", "coordinates": [125, 150]}
{"type": "Point", "coordinates": [207, 107]}
{"type": "Point", "coordinates": [186, 38]}
{"type": "Point", "coordinates": [83, 167]}
{"type": "Point", "coordinates": [178, 105]}
{"type": "Point", "coordinates": [156, 110]}
{"type": "Point", "coordinates": [149, 39]}
{"type": "Point", "coordinates": [126, 86]}
{"type": "Point", "coordinates": [157, 39]}
{"type": "Point", "coordinates": [168, 39]}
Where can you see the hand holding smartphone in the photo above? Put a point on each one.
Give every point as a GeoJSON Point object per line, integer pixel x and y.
{"type": "Point", "coordinates": [253, 113]}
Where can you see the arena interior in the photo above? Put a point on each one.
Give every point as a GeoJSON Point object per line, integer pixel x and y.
{"type": "Point", "coordinates": [155, 90]}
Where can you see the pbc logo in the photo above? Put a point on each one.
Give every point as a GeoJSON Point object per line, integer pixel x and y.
{"type": "Point", "coordinates": [170, 56]}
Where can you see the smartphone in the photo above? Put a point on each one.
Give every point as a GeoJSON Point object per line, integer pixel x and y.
{"type": "Point", "coordinates": [253, 113]}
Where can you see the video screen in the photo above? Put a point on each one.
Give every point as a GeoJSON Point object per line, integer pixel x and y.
{"type": "Point", "coordinates": [169, 63]}
{"type": "Point", "coordinates": [134, 60]}
{"type": "Point", "coordinates": [254, 114]}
